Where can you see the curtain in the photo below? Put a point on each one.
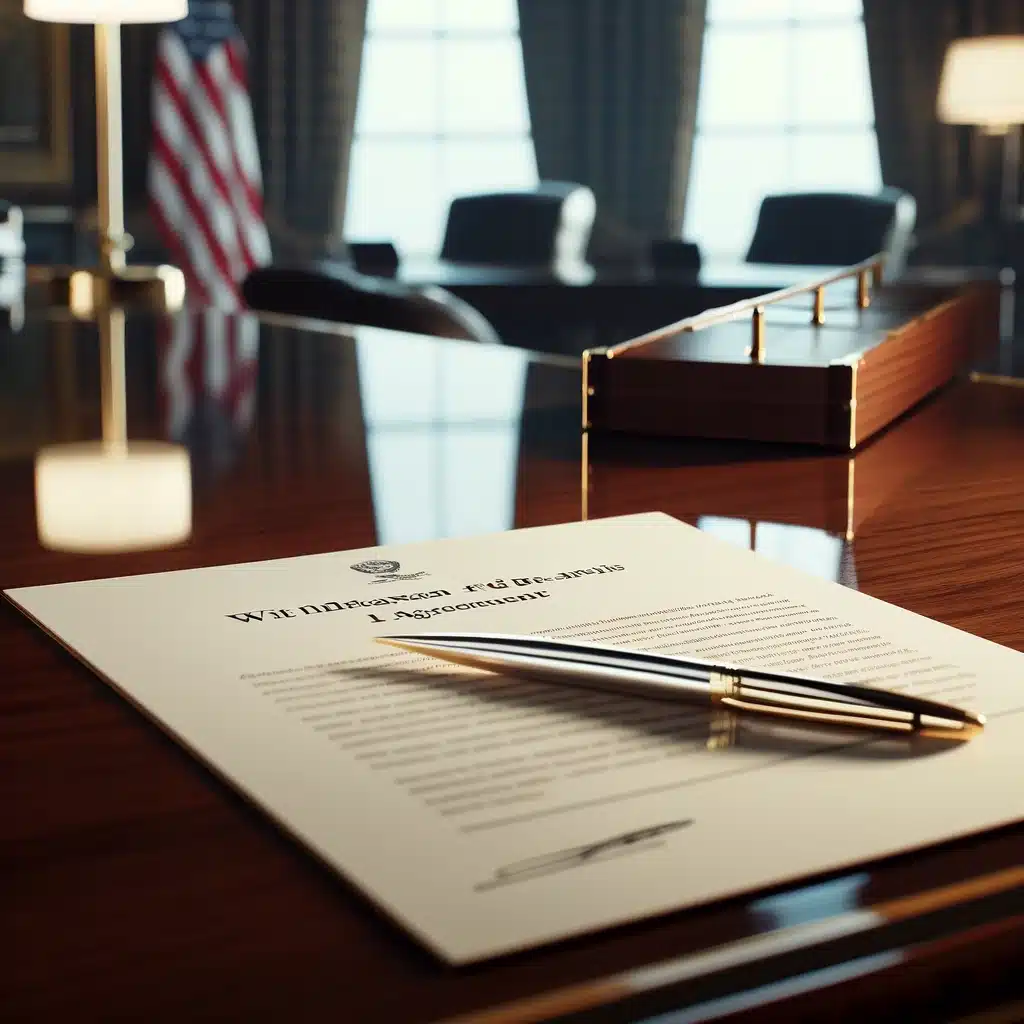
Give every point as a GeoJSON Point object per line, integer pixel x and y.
{"type": "Point", "coordinates": [940, 165]}
{"type": "Point", "coordinates": [304, 63]}
{"type": "Point", "coordinates": [612, 91]}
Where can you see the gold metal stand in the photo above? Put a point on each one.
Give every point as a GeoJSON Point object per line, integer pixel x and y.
{"type": "Point", "coordinates": [113, 283]}
{"type": "Point", "coordinates": [113, 385]}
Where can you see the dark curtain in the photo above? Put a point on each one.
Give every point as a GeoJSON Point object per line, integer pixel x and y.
{"type": "Point", "coordinates": [304, 63]}
{"type": "Point", "coordinates": [138, 56]}
{"type": "Point", "coordinates": [942, 166]}
{"type": "Point", "coordinates": [612, 89]}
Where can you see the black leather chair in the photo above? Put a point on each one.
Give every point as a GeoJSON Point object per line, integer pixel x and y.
{"type": "Point", "coordinates": [548, 225]}
{"type": "Point", "coordinates": [673, 256]}
{"type": "Point", "coordinates": [833, 228]}
{"type": "Point", "coordinates": [336, 292]}
{"type": "Point", "coordinates": [377, 259]}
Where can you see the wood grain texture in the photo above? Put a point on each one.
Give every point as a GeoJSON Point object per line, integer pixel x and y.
{"type": "Point", "coordinates": [137, 886]}
{"type": "Point", "coordinates": [833, 385]}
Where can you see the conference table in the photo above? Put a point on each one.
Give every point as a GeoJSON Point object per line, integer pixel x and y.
{"type": "Point", "coordinates": [137, 885]}
{"type": "Point", "coordinates": [569, 308]}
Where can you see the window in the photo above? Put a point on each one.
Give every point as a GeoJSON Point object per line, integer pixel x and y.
{"type": "Point", "coordinates": [442, 112]}
{"type": "Point", "coordinates": [785, 106]}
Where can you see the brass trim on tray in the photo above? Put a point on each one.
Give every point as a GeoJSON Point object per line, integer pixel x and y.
{"type": "Point", "coordinates": [724, 314]}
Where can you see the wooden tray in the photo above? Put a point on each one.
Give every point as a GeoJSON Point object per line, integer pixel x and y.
{"type": "Point", "coordinates": [826, 363]}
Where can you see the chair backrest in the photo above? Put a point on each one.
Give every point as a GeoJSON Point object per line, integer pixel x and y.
{"type": "Point", "coordinates": [673, 255]}
{"type": "Point", "coordinates": [336, 292]}
{"type": "Point", "coordinates": [546, 225]}
{"type": "Point", "coordinates": [833, 228]}
{"type": "Point", "coordinates": [378, 259]}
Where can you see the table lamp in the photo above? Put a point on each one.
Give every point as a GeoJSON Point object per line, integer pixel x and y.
{"type": "Point", "coordinates": [983, 84]}
{"type": "Point", "coordinates": [114, 281]}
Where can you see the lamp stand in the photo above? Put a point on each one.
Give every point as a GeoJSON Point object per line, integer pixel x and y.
{"type": "Point", "coordinates": [113, 283]}
{"type": "Point", "coordinates": [113, 383]}
{"type": "Point", "coordinates": [1010, 191]}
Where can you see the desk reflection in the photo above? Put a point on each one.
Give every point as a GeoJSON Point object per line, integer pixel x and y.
{"type": "Point", "coordinates": [207, 373]}
{"type": "Point", "coordinates": [814, 903]}
{"type": "Point", "coordinates": [442, 428]}
{"type": "Point", "coordinates": [806, 548]}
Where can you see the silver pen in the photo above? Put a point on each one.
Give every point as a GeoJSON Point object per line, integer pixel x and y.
{"type": "Point", "coordinates": [691, 680]}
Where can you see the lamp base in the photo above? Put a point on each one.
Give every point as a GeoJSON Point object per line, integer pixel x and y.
{"type": "Point", "coordinates": [84, 291]}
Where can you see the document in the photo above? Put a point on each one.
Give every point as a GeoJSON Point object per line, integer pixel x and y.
{"type": "Point", "coordinates": [486, 814]}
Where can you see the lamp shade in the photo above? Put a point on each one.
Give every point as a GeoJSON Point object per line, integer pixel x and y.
{"type": "Point", "coordinates": [983, 82]}
{"type": "Point", "coordinates": [106, 11]}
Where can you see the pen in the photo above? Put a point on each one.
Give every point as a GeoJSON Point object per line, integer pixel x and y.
{"type": "Point", "coordinates": [686, 679]}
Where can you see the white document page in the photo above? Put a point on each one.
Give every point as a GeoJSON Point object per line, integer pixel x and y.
{"type": "Point", "coordinates": [488, 814]}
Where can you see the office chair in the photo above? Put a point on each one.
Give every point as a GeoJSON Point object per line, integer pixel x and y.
{"type": "Point", "coordinates": [548, 225]}
{"type": "Point", "coordinates": [833, 228]}
{"type": "Point", "coordinates": [378, 259]}
{"type": "Point", "coordinates": [673, 255]}
{"type": "Point", "coordinates": [336, 292]}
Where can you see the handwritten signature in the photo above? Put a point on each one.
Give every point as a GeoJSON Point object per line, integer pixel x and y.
{"type": "Point", "coordinates": [577, 856]}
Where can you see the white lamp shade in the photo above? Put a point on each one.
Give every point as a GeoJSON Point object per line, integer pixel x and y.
{"type": "Point", "coordinates": [983, 82]}
{"type": "Point", "coordinates": [96, 12]}
{"type": "Point", "coordinates": [98, 500]}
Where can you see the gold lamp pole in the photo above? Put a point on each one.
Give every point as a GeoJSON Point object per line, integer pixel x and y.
{"type": "Point", "coordinates": [109, 145]}
{"type": "Point", "coordinates": [113, 282]}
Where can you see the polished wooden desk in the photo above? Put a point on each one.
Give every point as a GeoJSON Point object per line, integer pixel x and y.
{"type": "Point", "coordinates": [137, 886]}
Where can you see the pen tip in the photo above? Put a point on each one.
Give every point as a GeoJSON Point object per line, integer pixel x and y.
{"type": "Point", "coordinates": [406, 643]}
{"type": "Point", "coordinates": [965, 726]}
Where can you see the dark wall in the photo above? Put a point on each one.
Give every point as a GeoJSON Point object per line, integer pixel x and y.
{"type": "Point", "coordinates": [138, 48]}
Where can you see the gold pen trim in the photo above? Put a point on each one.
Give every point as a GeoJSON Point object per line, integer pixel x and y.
{"type": "Point", "coordinates": [729, 691]}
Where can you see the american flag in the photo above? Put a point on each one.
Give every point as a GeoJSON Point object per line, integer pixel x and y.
{"type": "Point", "coordinates": [205, 182]}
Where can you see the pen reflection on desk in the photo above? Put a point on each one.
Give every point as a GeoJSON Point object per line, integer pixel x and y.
{"type": "Point", "coordinates": [733, 731]}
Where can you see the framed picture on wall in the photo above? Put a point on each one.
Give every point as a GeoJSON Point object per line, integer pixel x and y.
{"type": "Point", "coordinates": [35, 102]}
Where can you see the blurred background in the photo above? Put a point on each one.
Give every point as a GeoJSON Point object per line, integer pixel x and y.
{"type": "Point", "coordinates": [680, 116]}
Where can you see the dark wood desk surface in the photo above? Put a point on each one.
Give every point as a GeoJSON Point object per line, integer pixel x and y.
{"type": "Point", "coordinates": [136, 886]}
